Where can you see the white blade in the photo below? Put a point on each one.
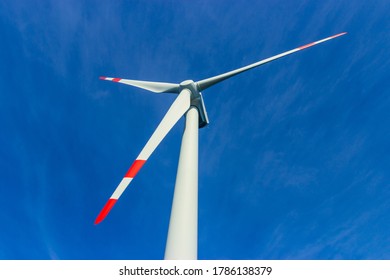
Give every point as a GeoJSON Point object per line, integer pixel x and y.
{"type": "Point", "coordinates": [175, 112]}
{"type": "Point", "coordinates": [206, 83]}
{"type": "Point", "coordinates": [151, 86]}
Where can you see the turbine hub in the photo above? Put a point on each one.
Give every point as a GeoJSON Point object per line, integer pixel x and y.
{"type": "Point", "coordinates": [190, 84]}
{"type": "Point", "coordinates": [186, 82]}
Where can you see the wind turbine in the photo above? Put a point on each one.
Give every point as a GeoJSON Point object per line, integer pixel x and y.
{"type": "Point", "coordinates": [183, 226]}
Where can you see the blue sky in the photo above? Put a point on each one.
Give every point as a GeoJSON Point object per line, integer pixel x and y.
{"type": "Point", "coordinates": [294, 163]}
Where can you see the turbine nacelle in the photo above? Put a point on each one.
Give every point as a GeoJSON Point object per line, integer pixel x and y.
{"type": "Point", "coordinates": [196, 101]}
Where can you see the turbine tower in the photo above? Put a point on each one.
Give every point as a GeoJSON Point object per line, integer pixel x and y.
{"type": "Point", "coordinates": [183, 226]}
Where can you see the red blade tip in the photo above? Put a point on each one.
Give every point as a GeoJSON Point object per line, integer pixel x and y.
{"type": "Point", "coordinates": [106, 209]}
{"type": "Point", "coordinates": [340, 34]}
{"type": "Point", "coordinates": [102, 78]}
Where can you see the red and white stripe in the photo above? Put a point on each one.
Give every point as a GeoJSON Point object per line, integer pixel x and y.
{"type": "Point", "coordinates": [157, 87]}
{"type": "Point", "coordinates": [297, 49]}
{"type": "Point", "coordinates": [110, 79]}
{"type": "Point", "coordinates": [175, 112]}
{"type": "Point", "coordinates": [320, 41]}
{"type": "Point", "coordinates": [130, 174]}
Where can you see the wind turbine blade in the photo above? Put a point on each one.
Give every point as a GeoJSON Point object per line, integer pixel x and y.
{"type": "Point", "coordinates": [177, 109]}
{"type": "Point", "coordinates": [151, 86]}
{"type": "Point", "coordinates": [206, 83]}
